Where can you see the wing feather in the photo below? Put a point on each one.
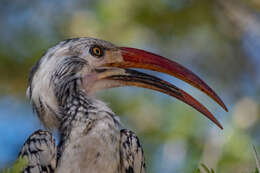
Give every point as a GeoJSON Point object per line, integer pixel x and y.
{"type": "Point", "coordinates": [41, 152]}
{"type": "Point", "coordinates": [131, 153]}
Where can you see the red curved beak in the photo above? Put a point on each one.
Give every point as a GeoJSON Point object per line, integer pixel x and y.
{"type": "Point", "coordinates": [136, 58]}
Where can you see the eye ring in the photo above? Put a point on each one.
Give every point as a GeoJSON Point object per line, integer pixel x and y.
{"type": "Point", "coordinates": [96, 51]}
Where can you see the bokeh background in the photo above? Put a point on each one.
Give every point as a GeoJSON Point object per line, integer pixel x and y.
{"type": "Point", "coordinates": [219, 40]}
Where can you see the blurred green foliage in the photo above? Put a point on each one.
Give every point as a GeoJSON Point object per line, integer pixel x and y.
{"type": "Point", "coordinates": [219, 40]}
{"type": "Point", "coordinates": [18, 166]}
{"type": "Point", "coordinates": [210, 170]}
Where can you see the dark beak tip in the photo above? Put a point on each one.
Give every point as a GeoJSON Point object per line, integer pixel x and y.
{"type": "Point", "coordinates": [221, 127]}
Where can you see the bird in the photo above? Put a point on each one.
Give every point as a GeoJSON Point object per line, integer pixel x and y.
{"type": "Point", "coordinates": [62, 87]}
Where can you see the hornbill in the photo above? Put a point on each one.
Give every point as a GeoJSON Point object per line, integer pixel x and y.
{"type": "Point", "coordinates": [61, 87]}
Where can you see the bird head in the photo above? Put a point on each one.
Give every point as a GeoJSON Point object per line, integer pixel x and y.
{"type": "Point", "coordinates": [90, 65]}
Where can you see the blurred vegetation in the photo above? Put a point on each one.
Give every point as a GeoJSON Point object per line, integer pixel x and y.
{"type": "Point", "coordinates": [205, 169]}
{"type": "Point", "coordinates": [219, 40]}
{"type": "Point", "coordinates": [18, 166]}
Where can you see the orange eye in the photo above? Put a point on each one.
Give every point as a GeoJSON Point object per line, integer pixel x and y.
{"type": "Point", "coordinates": [96, 51]}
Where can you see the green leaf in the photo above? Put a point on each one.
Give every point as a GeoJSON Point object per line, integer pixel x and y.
{"type": "Point", "coordinates": [197, 170]}
{"type": "Point", "coordinates": [205, 168]}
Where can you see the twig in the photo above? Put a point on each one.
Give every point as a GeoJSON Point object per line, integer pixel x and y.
{"type": "Point", "coordinates": [256, 159]}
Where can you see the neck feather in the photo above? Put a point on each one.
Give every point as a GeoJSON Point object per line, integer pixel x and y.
{"type": "Point", "coordinates": [79, 111]}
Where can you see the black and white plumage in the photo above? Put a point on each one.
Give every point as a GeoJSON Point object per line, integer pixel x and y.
{"type": "Point", "coordinates": [61, 87]}
{"type": "Point", "coordinates": [41, 152]}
